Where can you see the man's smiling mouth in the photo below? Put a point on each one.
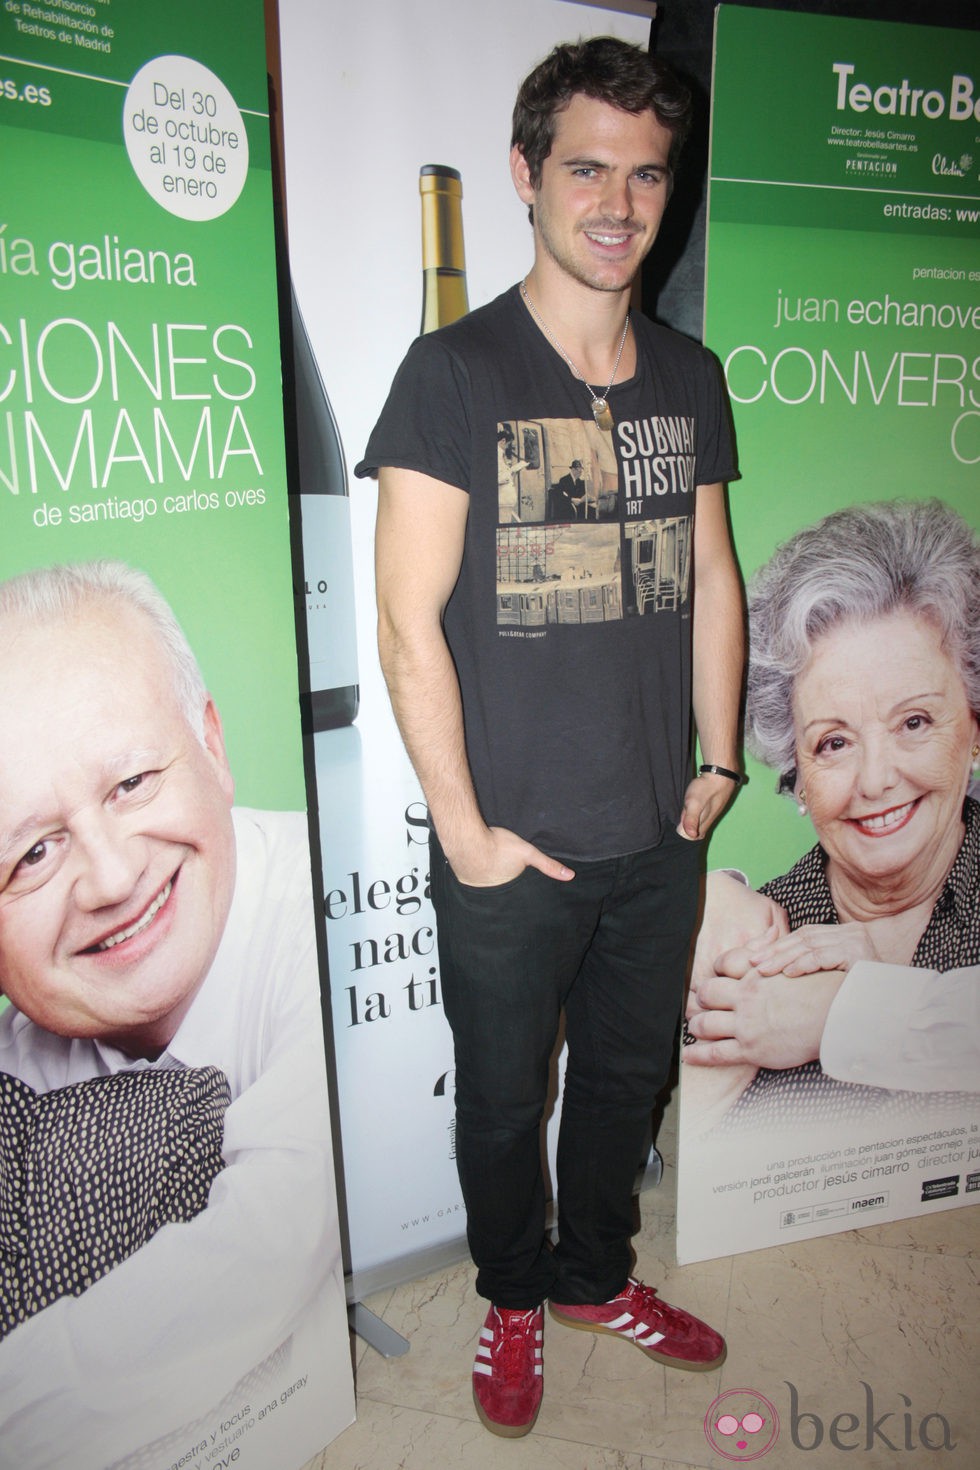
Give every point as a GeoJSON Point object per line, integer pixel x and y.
{"type": "Point", "coordinates": [602, 238]}
{"type": "Point", "coordinates": [145, 919]}
{"type": "Point", "coordinates": [884, 822]}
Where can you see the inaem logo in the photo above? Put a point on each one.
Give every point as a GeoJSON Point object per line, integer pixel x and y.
{"type": "Point", "coordinates": [742, 1425]}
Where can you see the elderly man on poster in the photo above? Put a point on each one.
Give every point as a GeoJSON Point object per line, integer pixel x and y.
{"type": "Point", "coordinates": [145, 924]}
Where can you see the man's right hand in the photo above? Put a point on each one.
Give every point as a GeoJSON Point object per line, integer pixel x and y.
{"type": "Point", "coordinates": [497, 857]}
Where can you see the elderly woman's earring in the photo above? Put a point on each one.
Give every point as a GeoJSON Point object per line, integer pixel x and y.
{"type": "Point", "coordinates": [801, 803]}
{"type": "Point", "coordinates": [975, 752]}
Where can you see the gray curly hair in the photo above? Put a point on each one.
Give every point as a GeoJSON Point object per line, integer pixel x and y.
{"type": "Point", "coordinates": [856, 564]}
{"type": "Point", "coordinates": [59, 591]}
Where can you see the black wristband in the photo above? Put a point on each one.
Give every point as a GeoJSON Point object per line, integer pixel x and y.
{"type": "Point", "coordinates": [723, 771]}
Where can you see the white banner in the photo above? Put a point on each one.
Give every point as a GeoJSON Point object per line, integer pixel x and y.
{"type": "Point", "coordinates": [371, 94]}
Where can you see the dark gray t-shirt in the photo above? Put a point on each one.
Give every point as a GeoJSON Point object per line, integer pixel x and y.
{"type": "Point", "coordinates": [570, 623]}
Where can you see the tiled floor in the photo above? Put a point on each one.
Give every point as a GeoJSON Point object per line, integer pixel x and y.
{"type": "Point", "coordinates": [893, 1308]}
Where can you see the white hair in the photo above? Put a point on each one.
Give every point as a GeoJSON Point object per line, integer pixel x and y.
{"type": "Point", "coordinates": [856, 565]}
{"type": "Point", "coordinates": [59, 591]}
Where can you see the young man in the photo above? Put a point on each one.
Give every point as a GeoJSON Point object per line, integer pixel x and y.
{"type": "Point", "coordinates": [542, 677]}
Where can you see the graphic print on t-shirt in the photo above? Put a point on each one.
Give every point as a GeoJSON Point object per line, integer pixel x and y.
{"type": "Point", "coordinates": [570, 548]}
{"type": "Point", "coordinates": [658, 564]}
{"type": "Point", "coordinates": [555, 470]}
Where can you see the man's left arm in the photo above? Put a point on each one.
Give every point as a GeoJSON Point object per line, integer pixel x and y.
{"type": "Point", "coordinates": [718, 661]}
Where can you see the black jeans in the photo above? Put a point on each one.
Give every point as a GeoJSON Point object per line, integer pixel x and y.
{"type": "Point", "coordinates": [611, 947]}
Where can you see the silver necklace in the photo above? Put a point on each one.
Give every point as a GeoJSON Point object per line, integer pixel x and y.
{"type": "Point", "coordinates": [601, 411]}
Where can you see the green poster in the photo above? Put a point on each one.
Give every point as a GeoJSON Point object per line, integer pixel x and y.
{"type": "Point", "coordinates": [140, 400]}
{"type": "Point", "coordinates": [171, 1288]}
{"type": "Point", "coordinates": [843, 293]}
{"type": "Point", "coordinates": [834, 1072]}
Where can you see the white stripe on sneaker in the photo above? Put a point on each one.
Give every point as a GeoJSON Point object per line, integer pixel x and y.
{"type": "Point", "coordinates": [640, 1332]}
{"type": "Point", "coordinates": [483, 1362]}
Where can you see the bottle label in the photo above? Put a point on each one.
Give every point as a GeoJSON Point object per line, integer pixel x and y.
{"type": "Point", "coordinates": [329, 571]}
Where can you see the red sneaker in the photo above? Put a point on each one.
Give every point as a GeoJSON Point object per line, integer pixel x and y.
{"type": "Point", "coordinates": [663, 1332]}
{"type": "Point", "coordinates": [507, 1371]}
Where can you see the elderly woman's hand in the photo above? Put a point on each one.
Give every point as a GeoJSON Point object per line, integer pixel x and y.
{"type": "Point", "coordinates": [762, 1020]}
{"type": "Point", "coordinates": [756, 1009]}
{"type": "Point", "coordinates": [812, 948]}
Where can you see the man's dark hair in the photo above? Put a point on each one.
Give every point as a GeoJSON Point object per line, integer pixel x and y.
{"type": "Point", "coordinates": [609, 70]}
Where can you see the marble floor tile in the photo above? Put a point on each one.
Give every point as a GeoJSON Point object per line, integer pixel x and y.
{"type": "Point", "coordinates": [440, 1315]}
{"type": "Point", "coordinates": [385, 1437]}
{"type": "Point", "coordinates": [947, 1232]}
{"type": "Point", "coordinates": [831, 1315]}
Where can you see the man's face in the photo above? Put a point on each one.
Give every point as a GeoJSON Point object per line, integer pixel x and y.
{"type": "Point", "coordinates": [117, 854]}
{"type": "Point", "coordinates": [601, 195]}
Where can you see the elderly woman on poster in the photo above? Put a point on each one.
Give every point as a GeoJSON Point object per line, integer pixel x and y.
{"type": "Point", "coordinates": [848, 986]}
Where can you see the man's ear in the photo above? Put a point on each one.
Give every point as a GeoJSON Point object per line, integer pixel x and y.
{"type": "Point", "coordinates": [521, 175]}
{"type": "Point", "coordinates": [214, 742]}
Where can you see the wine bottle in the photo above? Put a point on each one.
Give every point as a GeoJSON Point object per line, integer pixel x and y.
{"type": "Point", "coordinates": [329, 698]}
{"type": "Point", "coordinates": [443, 257]}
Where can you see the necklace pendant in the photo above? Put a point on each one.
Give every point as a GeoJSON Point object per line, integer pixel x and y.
{"type": "Point", "coordinates": [602, 414]}
{"type": "Point", "coordinates": [601, 411]}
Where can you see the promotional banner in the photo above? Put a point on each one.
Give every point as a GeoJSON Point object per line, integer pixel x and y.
{"type": "Point", "coordinates": [843, 302]}
{"type": "Point", "coordinates": [440, 124]}
{"type": "Point", "coordinates": [170, 1278]}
